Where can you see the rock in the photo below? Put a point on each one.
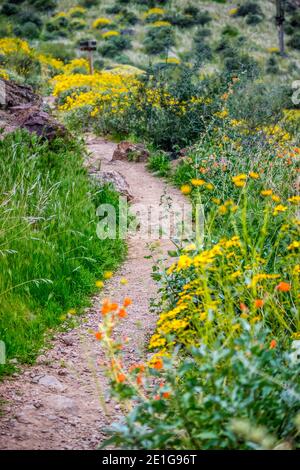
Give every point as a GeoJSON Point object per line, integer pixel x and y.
{"type": "Point", "coordinates": [67, 341]}
{"type": "Point", "coordinates": [51, 382]}
{"type": "Point", "coordinates": [35, 120]}
{"type": "Point", "coordinates": [22, 108]}
{"type": "Point", "coordinates": [60, 403]}
{"type": "Point", "coordinates": [18, 95]}
{"type": "Point", "coordinates": [118, 181]}
{"type": "Point", "coordinates": [130, 152]}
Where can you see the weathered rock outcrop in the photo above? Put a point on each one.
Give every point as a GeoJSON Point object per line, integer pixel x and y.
{"type": "Point", "coordinates": [131, 152]}
{"type": "Point", "coordinates": [117, 180]}
{"type": "Point", "coordinates": [22, 108]}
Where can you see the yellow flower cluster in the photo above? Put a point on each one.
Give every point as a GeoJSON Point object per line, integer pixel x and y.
{"type": "Point", "coordinates": [154, 11]}
{"type": "Point", "coordinates": [100, 23]}
{"type": "Point", "coordinates": [160, 24]}
{"type": "Point", "coordinates": [11, 45]}
{"type": "Point", "coordinates": [4, 74]}
{"type": "Point", "coordinates": [109, 34]}
{"type": "Point", "coordinates": [107, 87]}
{"type": "Point", "coordinates": [81, 63]}
{"type": "Point", "coordinates": [56, 64]}
{"type": "Point", "coordinates": [74, 11]}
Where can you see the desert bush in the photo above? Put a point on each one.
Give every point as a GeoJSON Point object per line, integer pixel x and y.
{"type": "Point", "coordinates": [259, 103]}
{"type": "Point", "coordinates": [77, 24]}
{"type": "Point", "coordinates": [9, 9]}
{"type": "Point", "coordinates": [272, 66]}
{"type": "Point", "coordinates": [242, 64]}
{"type": "Point", "coordinates": [240, 395]}
{"type": "Point", "coordinates": [159, 164]}
{"type": "Point", "coordinates": [113, 45]}
{"type": "Point", "coordinates": [249, 8]}
{"type": "Point", "coordinates": [230, 31]}
{"type": "Point", "coordinates": [58, 50]}
{"type": "Point", "coordinates": [254, 19]}
{"type": "Point", "coordinates": [294, 41]}
{"type": "Point", "coordinates": [201, 34]}
{"type": "Point", "coordinates": [159, 39]}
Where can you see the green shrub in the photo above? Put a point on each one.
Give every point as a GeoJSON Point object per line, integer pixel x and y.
{"type": "Point", "coordinates": [230, 31]}
{"type": "Point", "coordinates": [77, 24]}
{"type": "Point", "coordinates": [249, 8]}
{"type": "Point", "coordinates": [58, 50]}
{"type": "Point", "coordinates": [159, 163]}
{"type": "Point", "coordinates": [159, 40]}
{"type": "Point", "coordinates": [50, 253]}
{"type": "Point", "coordinates": [242, 64]}
{"type": "Point", "coordinates": [43, 5]}
{"type": "Point", "coordinates": [89, 3]}
{"type": "Point", "coordinates": [29, 30]}
{"type": "Point", "coordinates": [294, 41]}
{"type": "Point", "coordinates": [202, 33]}
{"type": "Point", "coordinates": [272, 66]}
{"type": "Point", "coordinates": [112, 46]}
{"type": "Point", "coordinates": [114, 9]}
{"type": "Point", "coordinates": [169, 123]}
{"type": "Point", "coordinates": [254, 19]}
{"type": "Point", "coordinates": [234, 396]}
{"type": "Point", "coordinates": [202, 52]}
{"type": "Point", "coordinates": [259, 103]}
{"type": "Point", "coordinates": [9, 9]}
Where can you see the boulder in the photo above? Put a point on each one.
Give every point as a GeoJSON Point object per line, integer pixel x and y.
{"type": "Point", "coordinates": [13, 94]}
{"type": "Point", "coordinates": [20, 107]}
{"type": "Point", "coordinates": [117, 180]}
{"type": "Point", "coordinates": [38, 121]}
{"type": "Point", "coordinates": [131, 152]}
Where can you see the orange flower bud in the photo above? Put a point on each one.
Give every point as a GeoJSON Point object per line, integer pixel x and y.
{"type": "Point", "coordinates": [122, 313]}
{"type": "Point", "coordinates": [127, 302]}
{"type": "Point", "coordinates": [121, 378]}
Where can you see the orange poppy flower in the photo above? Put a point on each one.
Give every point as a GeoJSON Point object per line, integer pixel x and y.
{"type": "Point", "coordinates": [166, 394]}
{"type": "Point", "coordinates": [122, 313]}
{"type": "Point", "coordinates": [121, 378]}
{"type": "Point", "coordinates": [283, 287]}
{"type": "Point", "coordinates": [98, 335]}
{"type": "Point", "coordinates": [127, 302]}
{"type": "Point", "coordinates": [158, 364]}
{"type": "Point", "coordinates": [105, 309]}
{"type": "Point", "coordinates": [243, 307]}
{"type": "Point", "coordinates": [273, 344]}
{"type": "Point", "coordinates": [258, 303]}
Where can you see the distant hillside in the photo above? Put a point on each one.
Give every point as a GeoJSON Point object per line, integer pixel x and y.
{"type": "Point", "coordinates": [141, 32]}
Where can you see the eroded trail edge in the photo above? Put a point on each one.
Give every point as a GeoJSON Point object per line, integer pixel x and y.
{"type": "Point", "coordinates": [55, 403]}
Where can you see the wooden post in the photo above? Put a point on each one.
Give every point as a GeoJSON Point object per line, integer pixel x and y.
{"type": "Point", "coordinates": [89, 46]}
{"type": "Point", "coordinates": [280, 10]}
{"type": "Point", "coordinates": [91, 62]}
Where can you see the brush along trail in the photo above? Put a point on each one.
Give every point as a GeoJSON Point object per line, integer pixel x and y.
{"type": "Point", "coordinates": [55, 403]}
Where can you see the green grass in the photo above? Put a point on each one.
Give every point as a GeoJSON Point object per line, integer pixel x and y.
{"type": "Point", "coordinates": [159, 164]}
{"type": "Point", "coordinates": [50, 253]}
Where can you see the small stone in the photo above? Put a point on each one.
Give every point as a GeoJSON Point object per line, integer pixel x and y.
{"type": "Point", "coordinates": [52, 383]}
{"type": "Point", "coordinates": [60, 403]}
{"type": "Point", "coordinates": [117, 180]}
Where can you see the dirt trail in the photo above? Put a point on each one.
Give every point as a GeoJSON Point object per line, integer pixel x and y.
{"type": "Point", "coordinates": [55, 403]}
